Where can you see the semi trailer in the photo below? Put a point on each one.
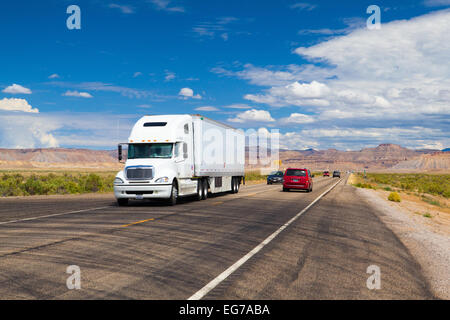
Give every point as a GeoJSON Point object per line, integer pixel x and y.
{"type": "Point", "coordinates": [172, 156]}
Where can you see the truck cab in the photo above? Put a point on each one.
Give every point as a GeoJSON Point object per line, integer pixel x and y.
{"type": "Point", "coordinates": [160, 162]}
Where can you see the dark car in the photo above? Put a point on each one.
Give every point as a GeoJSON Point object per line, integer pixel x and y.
{"type": "Point", "coordinates": [336, 174]}
{"type": "Point", "coordinates": [295, 178]}
{"type": "Point", "coordinates": [275, 177]}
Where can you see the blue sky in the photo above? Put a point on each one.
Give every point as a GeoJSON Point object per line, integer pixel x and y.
{"type": "Point", "coordinates": [313, 70]}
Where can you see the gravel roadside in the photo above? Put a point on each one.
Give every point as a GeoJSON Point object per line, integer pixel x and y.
{"type": "Point", "coordinates": [432, 250]}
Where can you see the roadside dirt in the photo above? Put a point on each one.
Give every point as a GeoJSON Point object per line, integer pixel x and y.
{"type": "Point", "coordinates": [427, 238]}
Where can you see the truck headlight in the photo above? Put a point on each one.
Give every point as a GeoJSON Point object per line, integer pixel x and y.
{"type": "Point", "coordinates": [118, 181]}
{"type": "Point", "coordinates": [162, 180]}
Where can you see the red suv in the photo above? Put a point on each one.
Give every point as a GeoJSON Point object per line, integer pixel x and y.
{"type": "Point", "coordinates": [295, 178]}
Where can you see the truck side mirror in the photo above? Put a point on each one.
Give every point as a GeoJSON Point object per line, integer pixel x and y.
{"type": "Point", "coordinates": [119, 151]}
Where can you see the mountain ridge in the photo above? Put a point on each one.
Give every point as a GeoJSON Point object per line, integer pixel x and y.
{"type": "Point", "coordinates": [383, 156]}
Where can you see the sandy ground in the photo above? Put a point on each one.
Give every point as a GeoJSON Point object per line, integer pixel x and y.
{"type": "Point", "coordinates": [428, 239]}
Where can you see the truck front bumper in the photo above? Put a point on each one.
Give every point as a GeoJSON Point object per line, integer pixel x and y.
{"type": "Point", "coordinates": [127, 191]}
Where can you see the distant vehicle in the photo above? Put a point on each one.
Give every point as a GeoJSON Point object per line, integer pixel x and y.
{"type": "Point", "coordinates": [336, 174]}
{"type": "Point", "coordinates": [167, 159]}
{"type": "Point", "coordinates": [326, 173]}
{"type": "Point", "coordinates": [295, 178]}
{"type": "Point", "coordinates": [275, 177]}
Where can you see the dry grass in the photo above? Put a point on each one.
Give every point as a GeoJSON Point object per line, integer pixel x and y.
{"type": "Point", "coordinates": [431, 210]}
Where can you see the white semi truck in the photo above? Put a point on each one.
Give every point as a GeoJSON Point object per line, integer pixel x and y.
{"type": "Point", "coordinates": [180, 155]}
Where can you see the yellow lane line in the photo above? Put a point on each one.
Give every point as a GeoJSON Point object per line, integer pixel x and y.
{"type": "Point", "coordinates": [132, 224]}
{"type": "Point", "coordinates": [216, 203]}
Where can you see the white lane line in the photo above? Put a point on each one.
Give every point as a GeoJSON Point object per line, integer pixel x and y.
{"type": "Point", "coordinates": [212, 284]}
{"type": "Point", "coordinates": [51, 215]}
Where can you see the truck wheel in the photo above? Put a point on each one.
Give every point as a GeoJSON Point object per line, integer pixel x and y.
{"type": "Point", "coordinates": [237, 185]}
{"type": "Point", "coordinates": [233, 184]}
{"type": "Point", "coordinates": [122, 202]}
{"type": "Point", "coordinates": [174, 195]}
{"type": "Point", "coordinates": [285, 189]}
{"type": "Point", "coordinates": [205, 189]}
{"type": "Point", "coordinates": [199, 195]}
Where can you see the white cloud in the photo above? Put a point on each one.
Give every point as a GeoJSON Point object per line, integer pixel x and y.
{"type": "Point", "coordinates": [123, 8]}
{"type": "Point", "coordinates": [306, 91]}
{"type": "Point", "coordinates": [14, 104]}
{"type": "Point", "coordinates": [366, 86]}
{"type": "Point", "coordinates": [186, 93]}
{"type": "Point", "coordinates": [297, 94]}
{"type": "Point", "coordinates": [165, 5]}
{"type": "Point", "coordinates": [53, 76]}
{"type": "Point", "coordinates": [137, 74]}
{"type": "Point", "coordinates": [297, 141]}
{"type": "Point", "coordinates": [16, 89]}
{"type": "Point", "coordinates": [398, 65]}
{"type": "Point", "coordinates": [44, 130]}
{"type": "Point", "coordinates": [210, 29]}
{"type": "Point", "coordinates": [238, 106]}
{"type": "Point", "coordinates": [277, 76]}
{"type": "Point", "coordinates": [77, 94]}
{"type": "Point", "coordinates": [253, 115]}
{"type": "Point", "coordinates": [358, 138]}
{"type": "Point", "coordinates": [26, 131]}
{"type": "Point", "coordinates": [303, 6]}
{"type": "Point", "coordinates": [207, 108]}
{"type": "Point", "coordinates": [297, 118]}
{"type": "Point", "coordinates": [169, 75]}
{"type": "Point", "coordinates": [351, 25]}
{"type": "Point", "coordinates": [395, 72]}
{"type": "Point", "coordinates": [107, 87]}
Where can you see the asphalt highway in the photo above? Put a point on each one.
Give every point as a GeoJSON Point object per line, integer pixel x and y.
{"type": "Point", "coordinates": [152, 251]}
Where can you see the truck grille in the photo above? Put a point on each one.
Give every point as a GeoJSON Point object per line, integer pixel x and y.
{"type": "Point", "coordinates": [139, 173]}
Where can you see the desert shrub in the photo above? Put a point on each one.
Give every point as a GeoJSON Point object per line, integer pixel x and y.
{"type": "Point", "coordinates": [364, 185]}
{"type": "Point", "coordinates": [45, 184]}
{"type": "Point", "coordinates": [10, 185]}
{"type": "Point", "coordinates": [431, 201]}
{"type": "Point", "coordinates": [254, 176]}
{"type": "Point", "coordinates": [33, 186]}
{"type": "Point", "coordinates": [434, 184]}
{"type": "Point", "coordinates": [394, 196]}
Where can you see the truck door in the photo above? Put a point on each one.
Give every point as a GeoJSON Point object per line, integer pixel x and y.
{"type": "Point", "coordinates": [186, 165]}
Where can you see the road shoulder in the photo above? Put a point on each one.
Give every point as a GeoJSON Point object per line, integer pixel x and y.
{"type": "Point", "coordinates": [431, 249]}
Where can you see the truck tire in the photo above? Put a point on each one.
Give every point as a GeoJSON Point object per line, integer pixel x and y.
{"type": "Point", "coordinates": [237, 184]}
{"type": "Point", "coordinates": [174, 195]}
{"type": "Point", "coordinates": [233, 184]}
{"type": "Point", "coordinates": [199, 195]}
{"type": "Point", "coordinates": [285, 189]}
{"type": "Point", "coordinates": [205, 189]}
{"type": "Point", "coordinates": [122, 202]}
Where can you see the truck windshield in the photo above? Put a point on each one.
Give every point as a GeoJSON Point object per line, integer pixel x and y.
{"type": "Point", "coordinates": [150, 150]}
